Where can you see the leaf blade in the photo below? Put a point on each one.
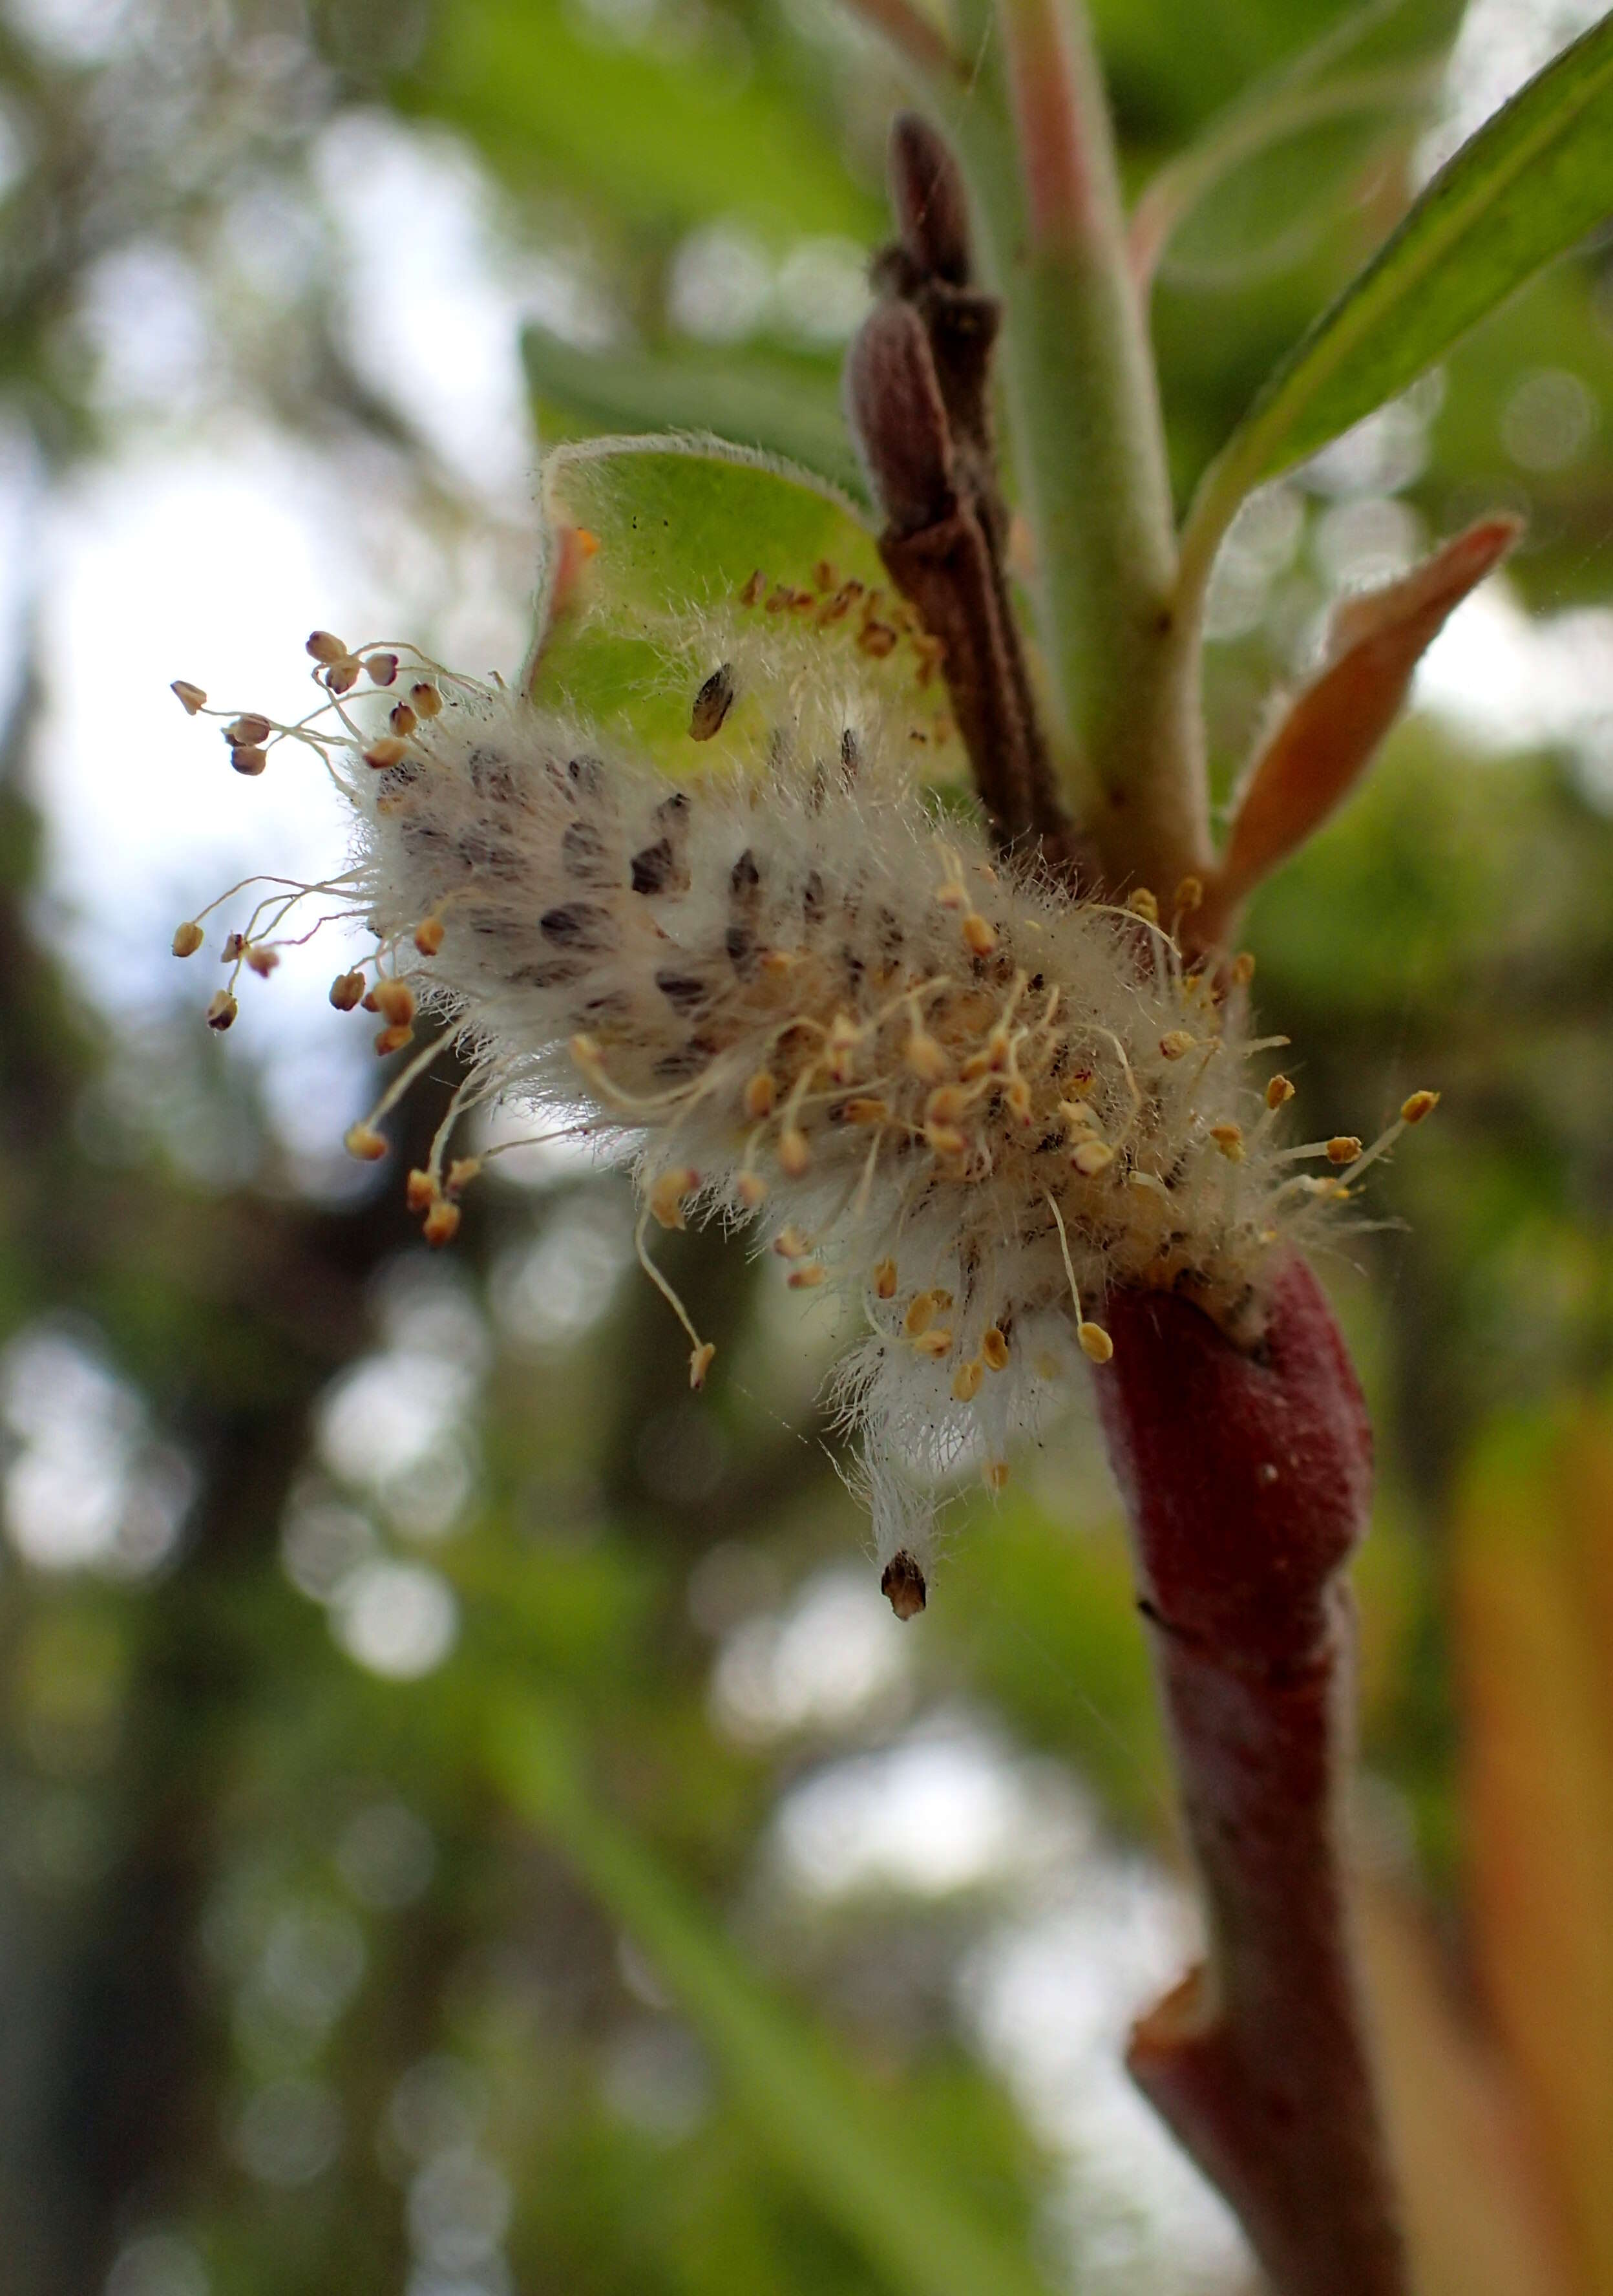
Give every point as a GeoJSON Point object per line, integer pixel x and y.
{"type": "Point", "coordinates": [1532, 183]}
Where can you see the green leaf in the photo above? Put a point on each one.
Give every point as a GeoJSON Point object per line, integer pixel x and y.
{"type": "Point", "coordinates": [1260, 174]}
{"type": "Point", "coordinates": [776, 410]}
{"type": "Point", "coordinates": [1535, 180]}
{"type": "Point", "coordinates": [824, 2123]}
{"type": "Point", "coordinates": [666, 588]}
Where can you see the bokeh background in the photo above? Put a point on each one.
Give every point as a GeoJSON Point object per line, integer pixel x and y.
{"type": "Point", "coordinates": [298, 1992]}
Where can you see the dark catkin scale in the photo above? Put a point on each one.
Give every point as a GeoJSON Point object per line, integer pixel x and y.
{"type": "Point", "coordinates": [653, 868]}
{"type": "Point", "coordinates": [712, 703]}
{"type": "Point", "coordinates": [583, 853]}
{"type": "Point", "coordinates": [578, 924]}
{"type": "Point", "coordinates": [683, 991]}
{"type": "Point", "coordinates": [902, 1584]}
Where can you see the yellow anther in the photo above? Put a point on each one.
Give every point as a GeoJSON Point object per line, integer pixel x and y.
{"type": "Point", "coordinates": [1343, 1148]}
{"type": "Point", "coordinates": [402, 719]}
{"type": "Point", "coordinates": [951, 895]}
{"type": "Point", "coordinates": [395, 1002]}
{"type": "Point", "coordinates": [946, 1104]}
{"type": "Point", "coordinates": [945, 1139]}
{"type": "Point", "coordinates": [462, 1171]}
{"type": "Point", "coordinates": [840, 1048]}
{"type": "Point", "coordinates": [187, 939]}
{"type": "Point", "coordinates": [389, 750]}
{"type": "Point", "coordinates": [364, 1142]}
{"type": "Point", "coordinates": [921, 1315]}
{"type": "Point", "coordinates": [1077, 1115]}
{"type": "Point", "coordinates": [392, 1039]}
{"type": "Point", "coordinates": [1189, 896]}
{"type": "Point", "coordinates": [885, 1280]}
{"type": "Point", "coordinates": [979, 934]}
{"type": "Point", "coordinates": [426, 700]}
{"type": "Point", "coordinates": [326, 648]}
{"type": "Point", "coordinates": [191, 697]}
{"type": "Point", "coordinates": [1017, 1097]}
{"type": "Point", "coordinates": [1143, 903]}
{"type": "Point", "coordinates": [1229, 1139]}
{"type": "Point", "coordinates": [1096, 1345]}
{"type": "Point", "coordinates": [791, 1244]}
{"type": "Point", "coordinates": [345, 990]}
{"type": "Point", "coordinates": [751, 1190]}
{"type": "Point", "coordinates": [776, 961]}
{"type": "Point", "coordinates": [667, 1193]}
{"type": "Point", "coordinates": [794, 1153]}
{"type": "Point", "coordinates": [924, 1057]}
{"type": "Point", "coordinates": [966, 1382]}
{"type": "Point", "coordinates": [222, 1010]}
{"type": "Point", "coordinates": [1242, 969]}
{"type": "Point", "coordinates": [586, 1054]}
{"type": "Point", "coordinates": [1176, 1042]}
{"type": "Point", "coordinates": [1278, 1091]}
{"type": "Point", "coordinates": [429, 935]}
{"type": "Point", "coordinates": [420, 1190]}
{"type": "Point", "coordinates": [994, 1350]}
{"type": "Point", "coordinates": [760, 1095]}
{"type": "Point", "coordinates": [1420, 1104]}
{"type": "Point", "coordinates": [994, 1474]}
{"type": "Point", "coordinates": [936, 1342]}
{"type": "Point", "coordinates": [700, 1360]}
{"type": "Point", "coordinates": [806, 1278]}
{"type": "Point", "coordinates": [382, 667]}
{"type": "Point", "coordinates": [1092, 1157]}
{"type": "Point", "coordinates": [866, 1112]}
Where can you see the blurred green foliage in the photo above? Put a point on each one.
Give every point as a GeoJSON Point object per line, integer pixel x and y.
{"type": "Point", "coordinates": [304, 1983]}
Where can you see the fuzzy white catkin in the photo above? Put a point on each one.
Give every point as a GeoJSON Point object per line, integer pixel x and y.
{"type": "Point", "coordinates": [806, 1003]}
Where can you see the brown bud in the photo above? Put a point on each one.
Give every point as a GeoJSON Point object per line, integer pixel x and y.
{"type": "Point", "coordinates": [928, 195]}
{"type": "Point", "coordinates": [345, 990]}
{"type": "Point", "coordinates": [249, 727]}
{"type": "Point", "coordinates": [894, 402]}
{"type": "Point", "coordinates": [187, 939]}
{"type": "Point", "coordinates": [247, 758]}
{"type": "Point", "coordinates": [190, 696]}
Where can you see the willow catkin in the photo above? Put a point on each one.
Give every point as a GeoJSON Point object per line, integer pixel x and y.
{"type": "Point", "coordinates": [802, 1000]}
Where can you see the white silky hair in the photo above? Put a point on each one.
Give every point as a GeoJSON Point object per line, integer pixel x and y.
{"type": "Point", "coordinates": [805, 1000]}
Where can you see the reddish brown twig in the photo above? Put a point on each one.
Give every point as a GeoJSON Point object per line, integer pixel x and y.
{"type": "Point", "coordinates": [1248, 1478]}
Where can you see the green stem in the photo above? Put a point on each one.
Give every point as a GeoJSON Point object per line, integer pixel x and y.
{"type": "Point", "coordinates": [1087, 440]}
